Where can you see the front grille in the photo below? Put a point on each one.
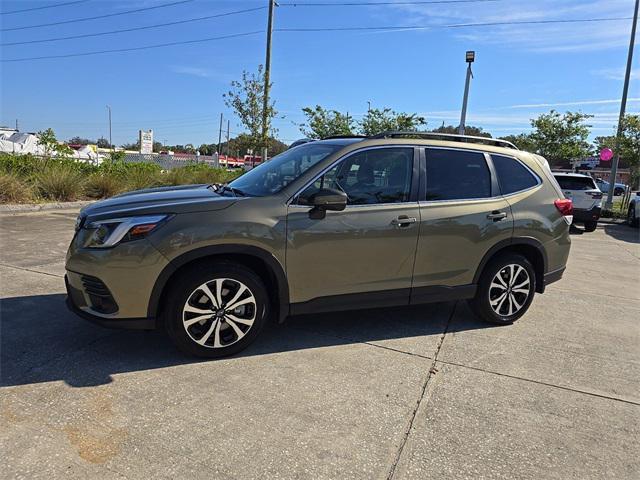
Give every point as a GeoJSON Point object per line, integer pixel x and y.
{"type": "Point", "coordinates": [101, 299]}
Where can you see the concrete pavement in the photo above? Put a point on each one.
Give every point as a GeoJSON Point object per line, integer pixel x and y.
{"type": "Point", "coordinates": [426, 392]}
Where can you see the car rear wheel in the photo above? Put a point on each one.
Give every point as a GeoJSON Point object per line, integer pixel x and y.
{"type": "Point", "coordinates": [590, 226]}
{"type": "Point", "coordinates": [216, 310]}
{"type": "Point", "coordinates": [505, 290]}
{"type": "Point", "coordinates": [631, 216]}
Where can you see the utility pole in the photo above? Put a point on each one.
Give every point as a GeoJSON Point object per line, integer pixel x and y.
{"type": "Point", "coordinates": [228, 127]}
{"type": "Point", "coordinates": [267, 79]}
{"type": "Point", "coordinates": [110, 143]}
{"type": "Point", "coordinates": [369, 107]}
{"type": "Point", "coordinates": [17, 125]}
{"type": "Point", "coordinates": [470, 57]}
{"type": "Point", "coordinates": [220, 135]}
{"type": "Point", "coordinates": [623, 105]}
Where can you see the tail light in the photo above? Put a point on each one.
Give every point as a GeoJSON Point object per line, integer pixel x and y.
{"type": "Point", "coordinates": [565, 207]}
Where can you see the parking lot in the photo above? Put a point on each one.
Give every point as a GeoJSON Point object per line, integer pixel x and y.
{"type": "Point", "coordinates": [415, 392]}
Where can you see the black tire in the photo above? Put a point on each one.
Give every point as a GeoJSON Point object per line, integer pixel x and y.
{"type": "Point", "coordinates": [590, 226]}
{"type": "Point", "coordinates": [631, 216]}
{"type": "Point", "coordinates": [481, 303]}
{"type": "Point", "coordinates": [186, 287]}
{"type": "Point", "coordinates": [618, 191]}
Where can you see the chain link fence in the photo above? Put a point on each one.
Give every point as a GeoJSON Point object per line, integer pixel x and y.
{"type": "Point", "coordinates": [167, 162]}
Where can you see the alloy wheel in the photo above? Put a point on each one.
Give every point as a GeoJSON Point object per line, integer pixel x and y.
{"type": "Point", "coordinates": [509, 290]}
{"type": "Point", "coordinates": [219, 313]}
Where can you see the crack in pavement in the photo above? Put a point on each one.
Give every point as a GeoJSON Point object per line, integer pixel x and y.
{"type": "Point", "coordinates": [31, 270]}
{"type": "Point", "coordinates": [430, 374]}
{"type": "Point", "coordinates": [461, 365]}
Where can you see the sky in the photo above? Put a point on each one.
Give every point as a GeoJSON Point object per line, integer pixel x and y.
{"type": "Point", "coordinates": [521, 70]}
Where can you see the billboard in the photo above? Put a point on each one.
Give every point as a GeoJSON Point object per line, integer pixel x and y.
{"type": "Point", "coordinates": [146, 141]}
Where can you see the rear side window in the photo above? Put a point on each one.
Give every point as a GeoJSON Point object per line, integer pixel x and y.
{"type": "Point", "coordinates": [512, 175]}
{"type": "Point", "coordinates": [456, 175]}
{"type": "Point", "coordinates": [575, 183]}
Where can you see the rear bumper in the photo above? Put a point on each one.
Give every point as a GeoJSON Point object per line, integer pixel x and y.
{"type": "Point", "coordinates": [553, 276]}
{"type": "Point", "coordinates": [73, 297]}
{"type": "Point", "coordinates": [592, 215]}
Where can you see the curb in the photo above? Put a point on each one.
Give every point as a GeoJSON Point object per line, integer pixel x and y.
{"type": "Point", "coordinates": [612, 221]}
{"type": "Point", "coordinates": [38, 207]}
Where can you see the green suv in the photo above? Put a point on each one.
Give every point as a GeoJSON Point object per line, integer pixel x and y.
{"type": "Point", "coordinates": [342, 223]}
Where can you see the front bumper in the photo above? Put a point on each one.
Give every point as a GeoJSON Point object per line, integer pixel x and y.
{"type": "Point", "coordinates": [592, 215]}
{"type": "Point", "coordinates": [75, 302]}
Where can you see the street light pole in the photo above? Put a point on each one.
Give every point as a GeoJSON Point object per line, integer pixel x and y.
{"type": "Point", "coordinates": [470, 57]}
{"type": "Point", "coordinates": [267, 79]}
{"type": "Point", "coordinates": [623, 105]}
{"type": "Point", "coordinates": [110, 143]}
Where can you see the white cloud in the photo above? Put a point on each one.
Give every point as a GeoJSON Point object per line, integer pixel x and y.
{"type": "Point", "coordinates": [572, 103]}
{"type": "Point", "coordinates": [540, 37]}
{"type": "Point", "coordinates": [615, 73]}
{"type": "Point", "coordinates": [194, 71]}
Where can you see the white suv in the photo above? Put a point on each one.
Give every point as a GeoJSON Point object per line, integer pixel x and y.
{"type": "Point", "coordinates": [633, 213]}
{"type": "Point", "coordinates": [586, 197]}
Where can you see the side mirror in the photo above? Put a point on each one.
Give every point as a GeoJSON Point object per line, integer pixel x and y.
{"type": "Point", "coordinates": [327, 199]}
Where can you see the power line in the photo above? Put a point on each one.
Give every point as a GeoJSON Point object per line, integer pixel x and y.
{"type": "Point", "coordinates": [85, 19]}
{"type": "Point", "coordinates": [64, 4]}
{"type": "Point", "coordinates": [133, 29]}
{"type": "Point", "coordinates": [320, 29]}
{"type": "Point", "coordinates": [368, 4]}
{"type": "Point", "coordinates": [455, 25]}
{"type": "Point", "coordinates": [131, 49]}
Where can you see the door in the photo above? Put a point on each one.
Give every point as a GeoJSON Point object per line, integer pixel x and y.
{"type": "Point", "coordinates": [363, 255]}
{"type": "Point", "coordinates": [462, 216]}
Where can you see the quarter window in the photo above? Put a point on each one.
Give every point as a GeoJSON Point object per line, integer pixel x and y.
{"type": "Point", "coordinates": [456, 175]}
{"type": "Point", "coordinates": [372, 176]}
{"type": "Point", "coordinates": [512, 175]}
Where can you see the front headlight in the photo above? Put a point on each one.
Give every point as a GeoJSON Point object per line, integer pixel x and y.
{"type": "Point", "coordinates": [108, 233]}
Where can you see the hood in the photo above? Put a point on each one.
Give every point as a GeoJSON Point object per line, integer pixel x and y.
{"type": "Point", "coordinates": [179, 199]}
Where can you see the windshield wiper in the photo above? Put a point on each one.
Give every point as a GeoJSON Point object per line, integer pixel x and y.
{"type": "Point", "coordinates": [219, 187]}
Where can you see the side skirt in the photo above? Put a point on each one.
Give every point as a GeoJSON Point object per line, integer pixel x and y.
{"type": "Point", "coordinates": [384, 298]}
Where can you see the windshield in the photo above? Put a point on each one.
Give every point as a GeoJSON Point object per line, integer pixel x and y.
{"type": "Point", "coordinates": [271, 177]}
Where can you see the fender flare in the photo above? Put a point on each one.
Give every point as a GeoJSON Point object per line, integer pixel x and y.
{"type": "Point", "coordinates": [271, 262]}
{"type": "Point", "coordinates": [511, 242]}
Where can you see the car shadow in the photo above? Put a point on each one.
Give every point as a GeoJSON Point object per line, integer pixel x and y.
{"type": "Point", "coordinates": [42, 341]}
{"type": "Point", "coordinates": [623, 232]}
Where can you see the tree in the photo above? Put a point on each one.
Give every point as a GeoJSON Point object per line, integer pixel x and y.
{"type": "Point", "coordinates": [103, 143]}
{"type": "Point", "coordinates": [246, 98]}
{"type": "Point", "coordinates": [561, 138]}
{"type": "Point", "coordinates": [48, 140]}
{"type": "Point", "coordinates": [323, 123]}
{"type": "Point", "coordinates": [629, 150]}
{"type": "Point", "coordinates": [80, 141]}
{"type": "Point", "coordinates": [378, 121]}
{"type": "Point", "coordinates": [523, 141]}
{"type": "Point", "coordinates": [468, 130]}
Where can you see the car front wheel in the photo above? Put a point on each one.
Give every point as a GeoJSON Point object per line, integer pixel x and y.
{"type": "Point", "coordinates": [216, 310]}
{"type": "Point", "coordinates": [590, 226]}
{"type": "Point", "coordinates": [505, 290]}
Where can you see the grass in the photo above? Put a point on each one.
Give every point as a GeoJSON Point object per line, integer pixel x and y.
{"type": "Point", "coordinates": [25, 178]}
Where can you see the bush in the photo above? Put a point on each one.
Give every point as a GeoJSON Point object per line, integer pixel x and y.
{"type": "Point", "coordinates": [103, 185]}
{"type": "Point", "coordinates": [23, 166]}
{"type": "Point", "coordinates": [142, 175]}
{"type": "Point", "coordinates": [60, 181]}
{"type": "Point", "coordinates": [14, 189]}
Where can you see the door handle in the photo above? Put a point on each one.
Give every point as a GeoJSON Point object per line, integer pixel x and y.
{"type": "Point", "coordinates": [496, 216]}
{"type": "Point", "coordinates": [403, 221]}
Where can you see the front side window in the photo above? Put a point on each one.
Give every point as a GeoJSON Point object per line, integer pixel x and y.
{"type": "Point", "coordinates": [381, 175]}
{"type": "Point", "coordinates": [512, 175]}
{"type": "Point", "coordinates": [457, 175]}
{"type": "Point", "coordinates": [271, 177]}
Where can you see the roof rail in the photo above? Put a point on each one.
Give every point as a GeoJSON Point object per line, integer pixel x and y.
{"type": "Point", "coordinates": [449, 137]}
{"type": "Point", "coordinates": [343, 136]}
